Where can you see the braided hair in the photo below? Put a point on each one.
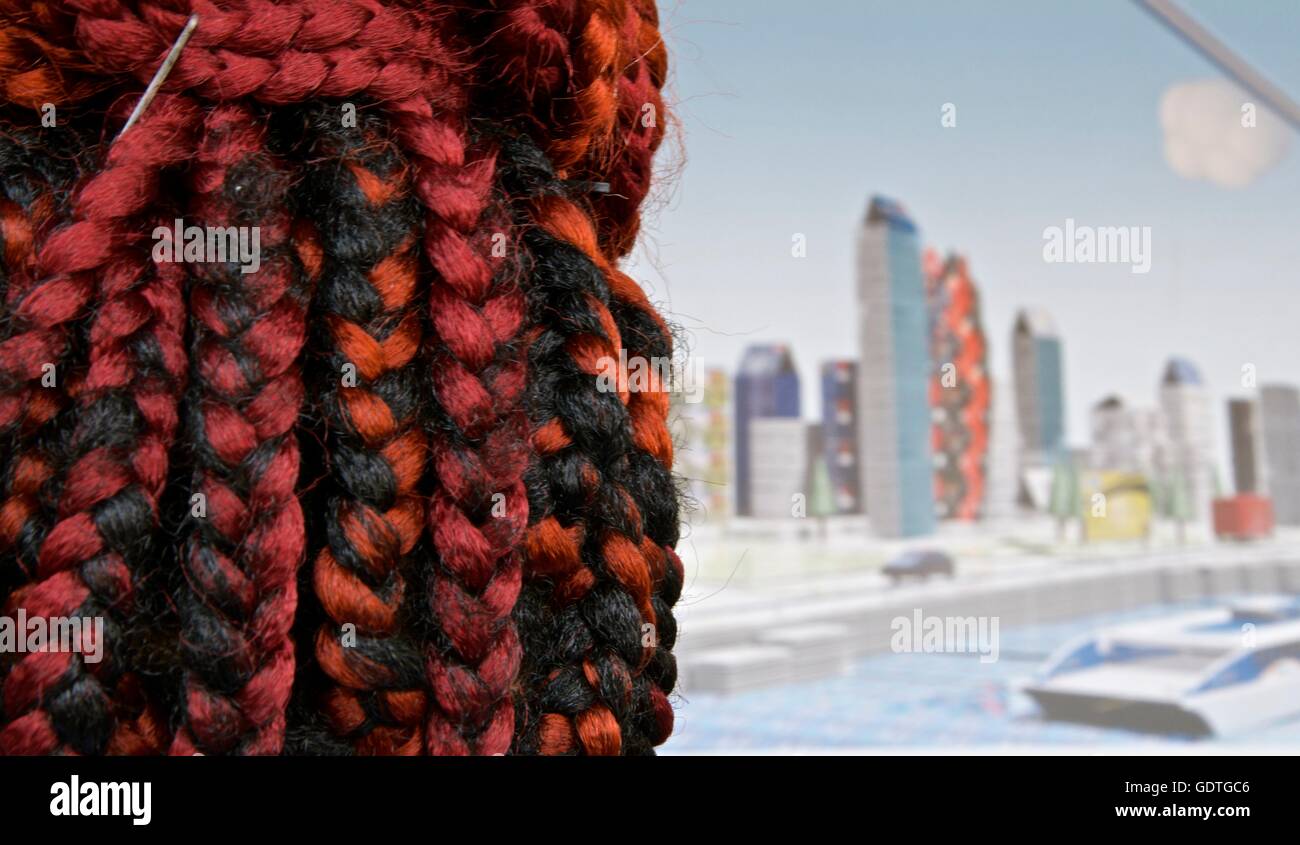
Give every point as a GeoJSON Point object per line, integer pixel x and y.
{"type": "Point", "coordinates": [369, 492]}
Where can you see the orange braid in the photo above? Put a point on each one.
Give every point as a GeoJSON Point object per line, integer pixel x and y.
{"type": "Point", "coordinates": [36, 69]}
{"type": "Point", "coordinates": [594, 112]}
{"type": "Point", "coordinates": [371, 322]}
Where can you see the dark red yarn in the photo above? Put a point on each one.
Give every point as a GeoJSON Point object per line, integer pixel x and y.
{"type": "Point", "coordinates": [241, 556]}
{"type": "Point", "coordinates": [421, 464]}
{"type": "Point", "coordinates": [480, 507]}
{"type": "Point", "coordinates": [125, 425]}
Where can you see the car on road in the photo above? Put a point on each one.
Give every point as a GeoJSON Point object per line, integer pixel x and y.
{"type": "Point", "coordinates": [921, 564]}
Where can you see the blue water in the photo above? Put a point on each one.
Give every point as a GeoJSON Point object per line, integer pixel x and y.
{"type": "Point", "coordinates": [923, 700]}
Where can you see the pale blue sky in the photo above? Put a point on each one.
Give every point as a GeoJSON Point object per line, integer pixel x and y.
{"type": "Point", "coordinates": [792, 114]}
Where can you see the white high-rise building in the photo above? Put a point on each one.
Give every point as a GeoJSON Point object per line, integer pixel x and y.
{"type": "Point", "coordinates": [1189, 418]}
{"type": "Point", "coordinates": [1004, 453]}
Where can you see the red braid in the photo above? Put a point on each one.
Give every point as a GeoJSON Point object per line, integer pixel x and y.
{"type": "Point", "coordinates": [241, 556]}
{"type": "Point", "coordinates": [125, 424]}
{"type": "Point", "coordinates": [480, 507]}
{"type": "Point", "coordinates": [642, 122]}
{"type": "Point", "coordinates": [32, 199]}
{"type": "Point", "coordinates": [562, 58]}
{"type": "Point", "coordinates": [421, 634]}
{"type": "Point", "coordinates": [524, 48]}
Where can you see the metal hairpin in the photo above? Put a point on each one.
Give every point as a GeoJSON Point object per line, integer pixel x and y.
{"type": "Point", "coordinates": [584, 187]}
{"type": "Point", "coordinates": [161, 75]}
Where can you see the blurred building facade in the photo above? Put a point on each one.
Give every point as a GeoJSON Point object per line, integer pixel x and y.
{"type": "Point", "coordinates": [1189, 418]}
{"type": "Point", "coordinates": [767, 385]}
{"type": "Point", "coordinates": [894, 367]}
{"type": "Point", "coordinates": [1279, 406]}
{"type": "Point", "coordinates": [779, 463]}
{"type": "Point", "coordinates": [1001, 492]}
{"type": "Point", "coordinates": [959, 387]}
{"type": "Point", "coordinates": [702, 438]}
{"type": "Point", "coordinates": [1247, 439]}
{"type": "Point", "coordinates": [819, 497]}
{"type": "Point", "coordinates": [839, 435]}
{"type": "Point", "coordinates": [1127, 439]}
{"type": "Point", "coordinates": [1038, 366]}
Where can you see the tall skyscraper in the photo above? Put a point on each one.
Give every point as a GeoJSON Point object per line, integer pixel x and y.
{"type": "Point", "coordinates": [1247, 438]}
{"type": "Point", "coordinates": [959, 387]}
{"type": "Point", "coordinates": [1189, 421]}
{"type": "Point", "coordinates": [839, 434]}
{"type": "Point", "coordinates": [1040, 385]}
{"type": "Point", "coordinates": [767, 385]}
{"type": "Point", "coordinates": [1279, 406]}
{"type": "Point", "coordinates": [893, 374]}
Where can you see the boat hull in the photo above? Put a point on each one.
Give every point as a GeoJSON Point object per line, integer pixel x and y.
{"type": "Point", "coordinates": [1110, 712]}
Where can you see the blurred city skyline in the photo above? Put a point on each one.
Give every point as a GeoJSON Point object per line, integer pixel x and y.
{"type": "Point", "coordinates": [1061, 121]}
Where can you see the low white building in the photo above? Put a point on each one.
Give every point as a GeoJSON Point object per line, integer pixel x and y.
{"type": "Point", "coordinates": [778, 461]}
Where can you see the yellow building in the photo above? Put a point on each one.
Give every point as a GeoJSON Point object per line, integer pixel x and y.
{"type": "Point", "coordinates": [1115, 505]}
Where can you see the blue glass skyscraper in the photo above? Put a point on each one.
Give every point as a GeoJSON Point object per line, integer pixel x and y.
{"type": "Point", "coordinates": [893, 374]}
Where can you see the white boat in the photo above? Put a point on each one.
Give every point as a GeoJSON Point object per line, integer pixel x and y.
{"type": "Point", "coordinates": [1217, 671]}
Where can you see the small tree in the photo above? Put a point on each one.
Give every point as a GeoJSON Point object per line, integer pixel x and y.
{"type": "Point", "coordinates": [821, 497]}
{"type": "Point", "coordinates": [1064, 501]}
{"type": "Point", "coordinates": [1178, 503]}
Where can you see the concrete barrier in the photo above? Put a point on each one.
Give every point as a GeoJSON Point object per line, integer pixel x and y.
{"type": "Point", "coordinates": [769, 641]}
